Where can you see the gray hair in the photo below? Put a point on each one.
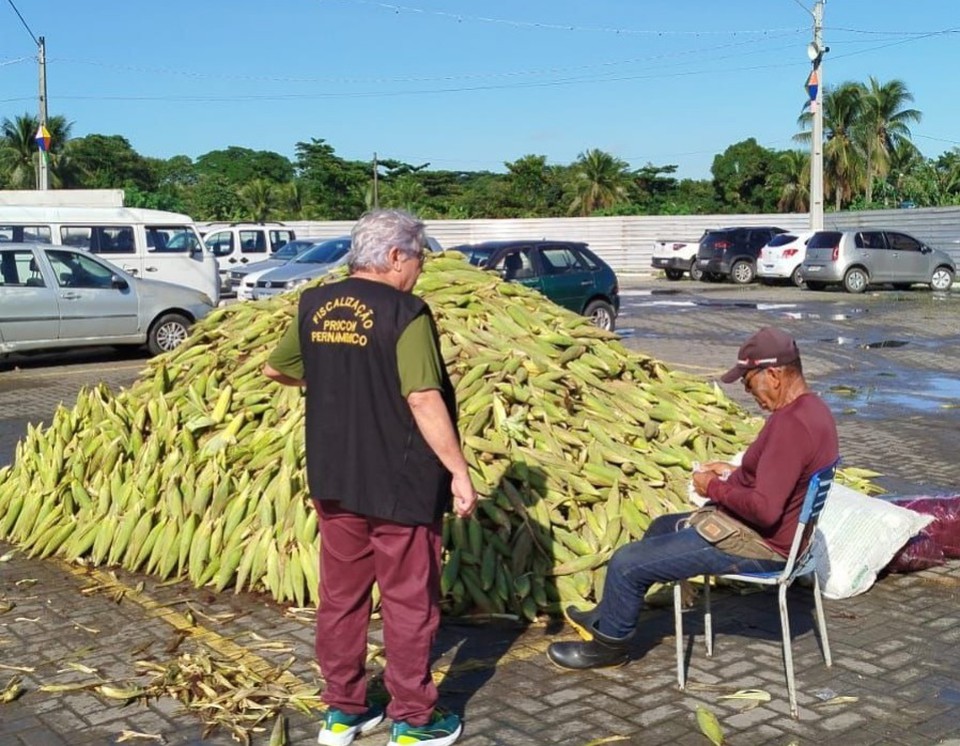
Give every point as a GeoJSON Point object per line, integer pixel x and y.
{"type": "Point", "coordinates": [377, 231]}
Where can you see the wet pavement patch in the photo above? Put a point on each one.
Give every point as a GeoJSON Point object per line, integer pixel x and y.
{"type": "Point", "coordinates": [919, 394]}
{"type": "Point", "coordinates": [883, 343]}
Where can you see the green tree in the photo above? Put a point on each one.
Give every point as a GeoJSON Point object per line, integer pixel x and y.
{"type": "Point", "coordinates": [19, 155]}
{"type": "Point", "coordinates": [213, 198]}
{"type": "Point", "coordinates": [240, 166]}
{"type": "Point", "coordinates": [110, 162]}
{"type": "Point", "coordinates": [600, 181]}
{"type": "Point", "coordinates": [795, 190]}
{"type": "Point", "coordinates": [745, 177]}
{"type": "Point", "coordinates": [333, 186]}
{"type": "Point", "coordinates": [883, 123]}
{"type": "Point", "coordinates": [258, 200]}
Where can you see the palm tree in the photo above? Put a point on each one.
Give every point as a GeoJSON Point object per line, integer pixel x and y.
{"type": "Point", "coordinates": [841, 152]}
{"type": "Point", "coordinates": [795, 192]}
{"type": "Point", "coordinates": [19, 154]}
{"type": "Point", "coordinates": [258, 199]}
{"type": "Point", "coordinates": [883, 124]}
{"type": "Point", "coordinates": [600, 180]}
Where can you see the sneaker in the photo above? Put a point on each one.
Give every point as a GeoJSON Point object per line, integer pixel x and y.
{"type": "Point", "coordinates": [340, 728]}
{"type": "Point", "coordinates": [442, 730]}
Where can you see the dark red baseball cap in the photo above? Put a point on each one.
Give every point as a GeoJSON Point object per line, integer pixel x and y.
{"type": "Point", "coordinates": [768, 348]}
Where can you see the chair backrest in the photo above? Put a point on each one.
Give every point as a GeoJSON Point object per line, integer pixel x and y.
{"type": "Point", "coordinates": [813, 501]}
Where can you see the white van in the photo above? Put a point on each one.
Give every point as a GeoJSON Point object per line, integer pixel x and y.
{"type": "Point", "coordinates": [151, 244]}
{"type": "Point", "coordinates": [238, 244]}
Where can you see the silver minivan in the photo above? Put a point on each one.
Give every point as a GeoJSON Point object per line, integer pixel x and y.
{"type": "Point", "coordinates": [856, 259]}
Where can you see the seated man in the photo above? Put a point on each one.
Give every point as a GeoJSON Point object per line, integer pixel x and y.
{"type": "Point", "coordinates": [763, 496]}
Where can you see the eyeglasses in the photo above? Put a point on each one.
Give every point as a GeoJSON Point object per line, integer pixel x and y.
{"type": "Point", "coordinates": [749, 376]}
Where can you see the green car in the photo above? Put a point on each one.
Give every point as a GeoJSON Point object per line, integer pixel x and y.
{"type": "Point", "coordinates": [567, 272]}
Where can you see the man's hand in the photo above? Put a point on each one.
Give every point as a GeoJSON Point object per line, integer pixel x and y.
{"type": "Point", "coordinates": [701, 479]}
{"type": "Point", "coordinates": [464, 496]}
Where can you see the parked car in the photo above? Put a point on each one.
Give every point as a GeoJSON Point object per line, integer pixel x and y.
{"type": "Point", "coordinates": [281, 256]}
{"type": "Point", "coordinates": [243, 243]}
{"type": "Point", "coordinates": [782, 258]}
{"type": "Point", "coordinates": [314, 262]}
{"type": "Point", "coordinates": [733, 252]}
{"type": "Point", "coordinates": [676, 257]}
{"type": "Point", "coordinates": [311, 264]}
{"type": "Point", "coordinates": [567, 272]}
{"type": "Point", "coordinates": [857, 259]}
{"type": "Point", "coordinates": [477, 254]}
{"type": "Point", "coordinates": [59, 296]}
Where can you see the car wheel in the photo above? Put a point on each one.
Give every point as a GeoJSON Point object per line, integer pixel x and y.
{"type": "Point", "coordinates": [796, 277]}
{"type": "Point", "coordinates": [168, 332]}
{"type": "Point", "coordinates": [811, 285]}
{"type": "Point", "coordinates": [673, 274]}
{"type": "Point", "coordinates": [855, 280]}
{"type": "Point", "coordinates": [695, 272]}
{"type": "Point", "coordinates": [742, 273]}
{"type": "Point", "coordinates": [942, 279]}
{"type": "Point", "coordinates": [601, 314]}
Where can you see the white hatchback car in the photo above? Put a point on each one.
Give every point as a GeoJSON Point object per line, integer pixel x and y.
{"type": "Point", "coordinates": [58, 296]}
{"type": "Point", "coordinates": [781, 258]}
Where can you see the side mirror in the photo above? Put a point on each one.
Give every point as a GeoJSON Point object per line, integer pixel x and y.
{"type": "Point", "coordinates": [119, 283]}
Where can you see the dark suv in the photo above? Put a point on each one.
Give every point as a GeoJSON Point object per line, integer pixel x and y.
{"type": "Point", "coordinates": [733, 252]}
{"type": "Point", "coordinates": [567, 272]}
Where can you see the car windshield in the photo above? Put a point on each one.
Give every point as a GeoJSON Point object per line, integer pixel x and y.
{"type": "Point", "coordinates": [326, 252]}
{"type": "Point", "coordinates": [477, 256]}
{"type": "Point", "coordinates": [292, 249]}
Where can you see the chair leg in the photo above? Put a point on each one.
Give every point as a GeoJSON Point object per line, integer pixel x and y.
{"type": "Point", "coordinates": [678, 631]}
{"type": "Point", "coordinates": [707, 616]}
{"type": "Point", "coordinates": [788, 652]}
{"type": "Point", "coordinates": [821, 621]}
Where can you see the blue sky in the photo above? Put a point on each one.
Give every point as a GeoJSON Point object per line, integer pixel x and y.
{"type": "Point", "coordinates": [469, 85]}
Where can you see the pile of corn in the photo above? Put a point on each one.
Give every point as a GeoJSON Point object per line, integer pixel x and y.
{"type": "Point", "coordinates": [198, 471]}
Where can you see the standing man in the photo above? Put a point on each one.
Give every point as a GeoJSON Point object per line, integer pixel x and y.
{"type": "Point", "coordinates": [383, 456]}
{"type": "Point", "coordinates": [760, 500]}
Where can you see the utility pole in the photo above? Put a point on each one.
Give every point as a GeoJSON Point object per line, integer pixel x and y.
{"type": "Point", "coordinates": [815, 51]}
{"type": "Point", "coordinates": [43, 176]}
{"type": "Point", "coordinates": [376, 195]}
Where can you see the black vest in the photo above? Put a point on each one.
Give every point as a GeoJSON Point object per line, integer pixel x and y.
{"type": "Point", "coordinates": [364, 448]}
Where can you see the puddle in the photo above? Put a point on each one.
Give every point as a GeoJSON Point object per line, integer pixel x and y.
{"type": "Point", "coordinates": [920, 394]}
{"type": "Point", "coordinates": [883, 343]}
{"type": "Point", "coordinates": [807, 316]}
{"type": "Point", "coordinates": [949, 695]}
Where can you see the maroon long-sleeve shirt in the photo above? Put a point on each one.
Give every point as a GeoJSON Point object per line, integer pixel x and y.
{"type": "Point", "coordinates": [766, 491]}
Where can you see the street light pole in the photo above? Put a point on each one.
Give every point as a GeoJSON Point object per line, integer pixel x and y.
{"type": "Point", "coordinates": [815, 51]}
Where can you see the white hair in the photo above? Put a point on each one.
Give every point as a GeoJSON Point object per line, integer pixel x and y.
{"type": "Point", "coordinates": [378, 231]}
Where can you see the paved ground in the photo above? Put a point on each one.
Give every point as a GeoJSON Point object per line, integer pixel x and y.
{"type": "Point", "coordinates": [896, 648]}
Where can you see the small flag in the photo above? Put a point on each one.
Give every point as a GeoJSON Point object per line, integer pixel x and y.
{"type": "Point", "coordinates": [43, 139]}
{"type": "Point", "coordinates": [813, 84]}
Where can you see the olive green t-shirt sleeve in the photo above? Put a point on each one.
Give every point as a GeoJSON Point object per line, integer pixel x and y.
{"type": "Point", "coordinates": [418, 357]}
{"type": "Point", "coordinates": [286, 357]}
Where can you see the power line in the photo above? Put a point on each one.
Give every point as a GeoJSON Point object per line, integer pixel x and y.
{"type": "Point", "coordinates": [459, 17]}
{"type": "Point", "coordinates": [16, 10]}
{"type": "Point", "coordinates": [666, 56]}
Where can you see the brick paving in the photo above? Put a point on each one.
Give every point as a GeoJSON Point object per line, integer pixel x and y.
{"type": "Point", "coordinates": [896, 648]}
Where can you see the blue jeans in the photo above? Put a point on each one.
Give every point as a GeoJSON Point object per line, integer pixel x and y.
{"type": "Point", "coordinates": [666, 553]}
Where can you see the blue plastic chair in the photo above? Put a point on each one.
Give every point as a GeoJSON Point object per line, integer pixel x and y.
{"type": "Point", "coordinates": [798, 563]}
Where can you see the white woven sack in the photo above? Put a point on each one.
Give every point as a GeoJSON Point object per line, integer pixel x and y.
{"type": "Point", "coordinates": [856, 537]}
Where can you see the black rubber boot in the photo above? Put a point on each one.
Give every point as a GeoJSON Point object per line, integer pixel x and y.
{"type": "Point", "coordinates": [582, 621]}
{"type": "Point", "coordinates": [599, 652]}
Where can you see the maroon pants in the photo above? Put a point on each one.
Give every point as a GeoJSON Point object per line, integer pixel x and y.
{"type": "Point", "coordinates": [355, 551]}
